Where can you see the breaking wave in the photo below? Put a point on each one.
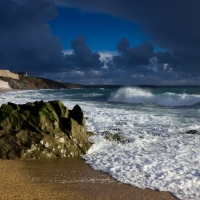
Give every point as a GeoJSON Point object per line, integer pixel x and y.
{"type": "Point", "coordinates": [143, 96]}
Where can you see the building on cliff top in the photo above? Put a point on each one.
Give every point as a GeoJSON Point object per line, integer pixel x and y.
{"type": "Point", "coordinates": [7, 73]}
{"type": "Point", "coordinates": [22, 74]}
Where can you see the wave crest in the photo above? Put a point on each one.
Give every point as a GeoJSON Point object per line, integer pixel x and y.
{"type": "Point", "coordinates": [143, 96]}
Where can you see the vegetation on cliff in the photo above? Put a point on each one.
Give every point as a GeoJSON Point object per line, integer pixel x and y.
{"type": "Point", "coordinates": [33, 83]}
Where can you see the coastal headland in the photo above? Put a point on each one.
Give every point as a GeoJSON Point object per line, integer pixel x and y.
{"type": "Point", "coordinates": [37, 83]}
{"type": "Point", "coordinates": [34, 83]}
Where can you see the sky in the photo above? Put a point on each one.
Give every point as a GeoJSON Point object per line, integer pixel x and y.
{"type": "Point", "coordinates": [124, 42]}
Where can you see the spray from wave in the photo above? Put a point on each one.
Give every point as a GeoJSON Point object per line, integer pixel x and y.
{"type": "Point", "coordinates": [143, 96]}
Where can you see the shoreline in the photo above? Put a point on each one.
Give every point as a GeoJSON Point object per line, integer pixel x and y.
{"type": "Point", "coordinates": [2, 90]}
{"type": "Point", "coordinates": [65, 178]}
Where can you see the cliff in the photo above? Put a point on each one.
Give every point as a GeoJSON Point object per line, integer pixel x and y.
{"type": "Point", "coordinates": [7, 73]}
{"type": "Point", "coordinates": [4, 85]}
{"type": "Point", "coordinates": [33, 83]}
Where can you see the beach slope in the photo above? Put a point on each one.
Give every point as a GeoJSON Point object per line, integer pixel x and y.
{"type": "Point", "coordinates": [65, 178]}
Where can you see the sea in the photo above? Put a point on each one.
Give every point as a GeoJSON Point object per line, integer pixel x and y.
{"type": "Point", "coordinates": [160, 155]}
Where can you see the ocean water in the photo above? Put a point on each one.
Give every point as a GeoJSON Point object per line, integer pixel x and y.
{"type": "Point", "coordinates": [159, 155]}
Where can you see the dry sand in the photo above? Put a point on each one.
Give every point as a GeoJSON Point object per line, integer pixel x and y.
{"type": "Point", "coordinates": [65, 179]}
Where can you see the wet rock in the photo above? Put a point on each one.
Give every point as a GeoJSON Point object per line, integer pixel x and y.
{"type": "Point", "coordinates": [116, 137]}
{"type": "Point", "coordinates": [192, 132]}
{"type": "Point", "coordinates": [90, 133]}
{"type": "Point", "coordinates": [42, 130]}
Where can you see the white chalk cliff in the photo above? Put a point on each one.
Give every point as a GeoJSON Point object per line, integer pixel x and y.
{"type": "Point", "coordinates": [4, 85]}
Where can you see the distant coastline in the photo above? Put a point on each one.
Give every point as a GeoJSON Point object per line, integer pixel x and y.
{"type": "Point", "coordinates": [36, 83]}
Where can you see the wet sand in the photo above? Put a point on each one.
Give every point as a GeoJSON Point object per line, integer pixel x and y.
{"type": "Point", "coordinates": [6, 90]}
{"type": "Point", "coordinates": [65, 179]}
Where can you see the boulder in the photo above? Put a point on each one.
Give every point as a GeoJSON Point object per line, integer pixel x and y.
{"type": "Point", "coordinates": [192, 132]}
{"type": "Point", "coordinates": [116, 137]}
{"type": "Point", "coordinates": [42, 130]}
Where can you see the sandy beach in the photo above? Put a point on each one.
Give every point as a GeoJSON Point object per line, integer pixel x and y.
{"type": "Point", "coordinates": [65, 178]}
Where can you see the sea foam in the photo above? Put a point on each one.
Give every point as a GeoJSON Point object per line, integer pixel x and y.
{"type": "Point", "coordinates": [158, 156]}
{"type": "Point", "coordinates": [143, 96]}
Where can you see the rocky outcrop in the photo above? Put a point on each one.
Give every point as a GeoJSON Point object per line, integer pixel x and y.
{"type": "Point", "coordinates": [25, 83]}
{"type": "Point", "coordinates": [42, 130]}
{"type": "Point", "coordinates": [116, 137]}
{"type": "Point", "coordinates": [192, 132]}
{"type": "Point", "coordinates": [33, 83]}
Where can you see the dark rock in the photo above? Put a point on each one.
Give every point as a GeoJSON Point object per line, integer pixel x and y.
{"type": "Point", "coordinates": [192, 132]}
{"type": "Point", "coordinates": [77, 115]}
{"type": "Point", "coordinates": [42, 130]}
{"type": "Point", "coordinates": [89, 133]}
{"type": "Point", "coordinates": [116, 137]}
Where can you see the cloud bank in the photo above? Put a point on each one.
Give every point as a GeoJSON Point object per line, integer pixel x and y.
{"type": "Point", "coordinates": [26, 41]}
{"type": "Point", "coordinates": [27, 44]}
{"type": "Point", "coordinates": [82, 56]}
{"type": "Point", "coordinates": [173, 25]}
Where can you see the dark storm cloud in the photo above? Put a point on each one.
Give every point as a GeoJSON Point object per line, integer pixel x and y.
{"type": "Point", "coordinates": [140, 64]}
{"type": "Point", "coordinates": [132, 65]}
{"type": "Point", "coordinates": [171, 24]}
{"type": "Point", "coordinates": [131, 57]}
{"type": "Point", "coordinates": [82, 57]}
{"type": "Point", "coordinates": [26, 42]}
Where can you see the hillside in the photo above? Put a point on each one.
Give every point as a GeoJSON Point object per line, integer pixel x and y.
{"type": "Point", "coordinates": [33, 83]}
